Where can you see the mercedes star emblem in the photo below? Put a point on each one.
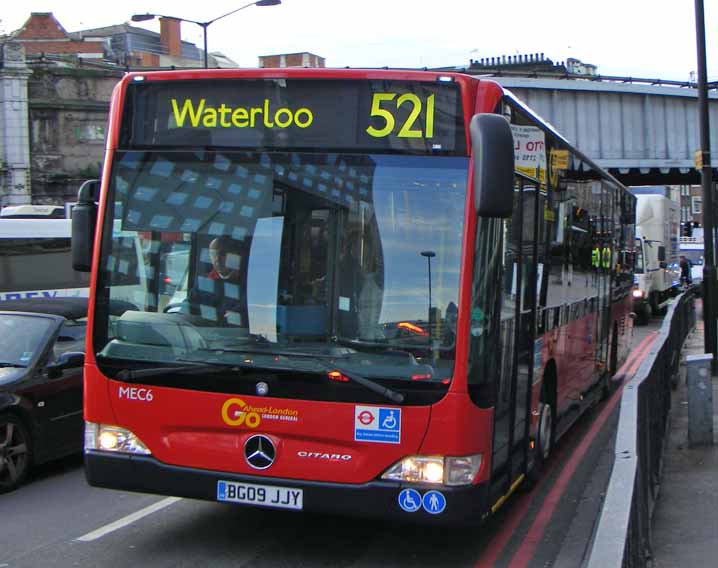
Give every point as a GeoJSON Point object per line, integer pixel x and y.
{"type": "Point", "coordinates": [259, 452]}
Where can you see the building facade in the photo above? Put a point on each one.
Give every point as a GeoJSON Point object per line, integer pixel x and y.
{"type": "Point", "coordinates": [55, 89]}
{"type": "Point", "coordinates": [303, 59]}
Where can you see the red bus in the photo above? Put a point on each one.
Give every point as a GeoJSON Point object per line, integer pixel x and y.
{"type": "Point", "coordinates": [397, 289]}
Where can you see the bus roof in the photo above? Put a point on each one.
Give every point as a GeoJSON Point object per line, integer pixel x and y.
{"type": "Point", "coordinates": [35, 228]}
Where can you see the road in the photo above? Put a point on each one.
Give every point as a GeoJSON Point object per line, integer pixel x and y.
{"type": "Point", "coordinates": [57, 520]}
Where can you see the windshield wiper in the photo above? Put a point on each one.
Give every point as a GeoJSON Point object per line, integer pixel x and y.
{"type": "Point", "coordinates": [386, 392]}
{"type": "Point", "coordinates": [131, 374]}
{"type": "Point", "coordinates": [8, 364]}
{"type": "Point", "coordinates": [367, 383]}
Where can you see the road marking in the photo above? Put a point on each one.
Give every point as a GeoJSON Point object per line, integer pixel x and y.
{"type": "Point", "coordinates": [128, 520]}
{"type": "Point", "coordinates": [518, 511]}
{"type": "Point", "coordinates": [627, 369]}
{"type": "Point", "coordinates": [524, 554]}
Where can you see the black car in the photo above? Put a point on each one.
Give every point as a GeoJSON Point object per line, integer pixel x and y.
{"type": "Point", "coordinates": [42, 344]}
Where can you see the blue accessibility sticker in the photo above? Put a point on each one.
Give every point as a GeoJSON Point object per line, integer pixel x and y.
{"type": "Point", "coordinates": [434, 502]}
{"type": "Point", "coordinates": [377, 424]}
{"type": "Point", "coordinates": [410, 500]}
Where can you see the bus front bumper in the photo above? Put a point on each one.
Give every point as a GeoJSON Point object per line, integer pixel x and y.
{"type": "Point", "coordinates": [376, 499]}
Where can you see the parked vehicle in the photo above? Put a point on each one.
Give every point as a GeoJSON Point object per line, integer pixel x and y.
{"type": "Point", "coordinates": [42, 344]}
{"type": "Point", "coordinates": [657, 274]}
{"type": "Point", "coordinates": [33, 212]}
{"type": "Point", "coordinates": [36, 260]}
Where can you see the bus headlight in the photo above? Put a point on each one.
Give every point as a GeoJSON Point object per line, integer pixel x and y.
{"type": "Point", "coordinates": [435, 469]}
{"type": "Point", "coordinates": [112, 439]}
{"type": "Point", "coordinates": [638, 294]}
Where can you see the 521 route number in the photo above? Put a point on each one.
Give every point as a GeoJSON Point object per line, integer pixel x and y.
{"type": "Point", "coordinates": [393, 103]}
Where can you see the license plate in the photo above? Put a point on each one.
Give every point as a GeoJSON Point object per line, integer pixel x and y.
{"type": "Point", "coordinates": [262, 495]}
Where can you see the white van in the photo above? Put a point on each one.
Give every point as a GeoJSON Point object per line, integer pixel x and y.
{"type": "Point", "coordinates": [33, 212]}
{"type": "Point", "coordinates": [36, 260]}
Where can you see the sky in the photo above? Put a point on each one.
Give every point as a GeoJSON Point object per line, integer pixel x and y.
{"type": "Point", "coordinates": [637, 38]}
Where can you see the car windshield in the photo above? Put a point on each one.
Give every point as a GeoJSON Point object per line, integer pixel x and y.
{"type": "Point", "coordinates": [290, 256]}
{"type": "Point", "coordinates": [21, 339]}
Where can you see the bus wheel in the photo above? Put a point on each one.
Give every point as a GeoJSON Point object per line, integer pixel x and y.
{"type": "Point", "coordinates": [14, 452]}
{"type": "Point", "coordinates": [544, 440]}
{"type": "Point", "coordinates": [545, 431]}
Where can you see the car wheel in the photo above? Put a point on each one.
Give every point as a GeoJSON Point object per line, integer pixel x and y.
{"type": "Point", "coordinates": [14, 452]}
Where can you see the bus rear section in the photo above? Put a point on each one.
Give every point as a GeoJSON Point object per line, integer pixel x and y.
{"type": "Point", "coordinates": [334, 309]}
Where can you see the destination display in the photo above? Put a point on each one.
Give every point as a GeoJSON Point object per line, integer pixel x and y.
{"type": "Point", "coordinates": [297, 114]}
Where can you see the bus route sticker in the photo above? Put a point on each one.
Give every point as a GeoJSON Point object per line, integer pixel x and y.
{"type": "Point", "coordinates": [377, 424]}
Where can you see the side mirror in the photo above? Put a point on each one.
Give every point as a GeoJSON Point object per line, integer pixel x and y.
{"type": "Point", "coordinates": [84, 219]}
{"type": "Point", "coordinates": [493, 160]}
{"type": "Point", "coordinates": [661, 254]}
{"type": "Point", "coordinates": [67, 360]}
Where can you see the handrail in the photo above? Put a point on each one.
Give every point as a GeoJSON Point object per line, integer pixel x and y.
{"type": "Point", "coordinates": [623, 531]}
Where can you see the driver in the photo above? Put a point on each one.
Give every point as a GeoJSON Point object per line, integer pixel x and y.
{"type": "Point", "coordinates": [216, 297]}
{"type": "Point", "coordinates": [225, 264]}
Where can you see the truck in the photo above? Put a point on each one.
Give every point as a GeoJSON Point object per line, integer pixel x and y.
{"type": "Point", "coordinates": [657, 272]}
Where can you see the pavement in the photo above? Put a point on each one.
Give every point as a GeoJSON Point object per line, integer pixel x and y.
{"type": "Point", "coordinates": [685, 518]}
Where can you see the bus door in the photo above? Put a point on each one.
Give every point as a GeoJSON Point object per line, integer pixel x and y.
{"type": "Point", "coordinates": [517, 338]}
{"type": "Point", "coordinates": [607, 260]}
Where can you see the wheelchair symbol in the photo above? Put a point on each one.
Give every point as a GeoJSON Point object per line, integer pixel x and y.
{"type": "Point", "coordinates": [410, 500]}
{"type": "Point", "coordinates": [389, 422]}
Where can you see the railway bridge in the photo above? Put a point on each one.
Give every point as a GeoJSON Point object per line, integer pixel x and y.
{"type": "Point", "coordinates": [644, 134]}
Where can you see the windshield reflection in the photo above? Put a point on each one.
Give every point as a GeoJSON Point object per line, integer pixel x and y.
{"type": "Point", "coordinates": [286, 257]}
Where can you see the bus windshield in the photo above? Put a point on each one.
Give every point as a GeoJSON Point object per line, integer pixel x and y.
{"type": "Point", "coordinates": [284, 260]}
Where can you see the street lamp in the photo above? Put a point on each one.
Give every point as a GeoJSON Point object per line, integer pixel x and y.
{"type": "Point", "coordinates": [204, 25]}
{"type": "Point", "coordinates": [710, 295]}
{"type": "Point", "coordinates": [429, 254]}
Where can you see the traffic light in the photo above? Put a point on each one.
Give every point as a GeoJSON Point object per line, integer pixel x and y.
{"type": "Point", "coordinates": [687, 229]}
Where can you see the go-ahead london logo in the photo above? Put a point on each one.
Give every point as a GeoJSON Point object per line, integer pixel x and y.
{"type": "Point", "coordinates": [236, 412]}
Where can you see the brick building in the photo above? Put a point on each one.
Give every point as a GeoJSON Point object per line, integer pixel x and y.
{"type": "Point", "coordinates": [691, 204]}
{"type": "Point", "coordinates": [121, 44]}
{"type": "Point", "coordinates": [42, 33]}
{"type": "Point", "coordinates": [303, 59]}
{"type": "Point", "coordinates": [55, 88]}
{"type": "Point", "coordinates": [52, 125]}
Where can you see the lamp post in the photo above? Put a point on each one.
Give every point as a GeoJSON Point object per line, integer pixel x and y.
{"type": "Point", "coordinates": [429, 254]}
{"type": "Point", "coordinates": [710, 297]}
{"type": "Point", "coordinates": [204, 25]}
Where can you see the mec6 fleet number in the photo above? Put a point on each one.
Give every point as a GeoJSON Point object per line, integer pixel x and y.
{"type": "Point", "coordinates": [136, 393]}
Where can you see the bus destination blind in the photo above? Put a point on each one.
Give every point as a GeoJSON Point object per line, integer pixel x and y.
{"type": "Point", "coordinates": [349, 115]}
